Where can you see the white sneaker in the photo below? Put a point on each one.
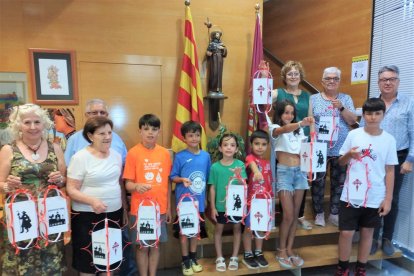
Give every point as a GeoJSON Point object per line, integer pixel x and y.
{"type": "Point", "coordinates": [320, 219]}
{"type": "Point", "coordinates": [334, 219]}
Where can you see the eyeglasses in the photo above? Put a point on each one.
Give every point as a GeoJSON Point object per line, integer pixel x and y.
{"type": "Point", "coordinates": [99, 112]}
{"type": "Point", "coordinates": [391, 80]}
{"type": "Point", "coordinates": [335, 79]}
{"type": "Point", "coordinates": [293, 74]}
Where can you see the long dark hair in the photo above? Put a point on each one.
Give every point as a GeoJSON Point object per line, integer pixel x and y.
{"type": "Point", "coordinates": [280, 109]}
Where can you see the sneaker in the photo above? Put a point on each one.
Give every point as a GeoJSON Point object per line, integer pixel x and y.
{"type": "Point", "coordinates": [196, 266]}
{"type": "Point", "coordinates": [387, 247]}
{"type": "Point", "coordinates": [304, 223]}
{"type": "Point", "coordinates": [261, 260]}
{"type": "Point", "coordinates": [374, 247]}
{"type": "Point", "coordinates": [360, 271]}
{"type": "Point", "coordinates": [187, 270]}
{"type": "Point", "coordinates": [320, 219]}
{"type": "Point", "coordinates": [334, 219]}
{"type": "Point", "coordinates": [341, 272]}
{"type": "Point", "coordinates": [250, 262]}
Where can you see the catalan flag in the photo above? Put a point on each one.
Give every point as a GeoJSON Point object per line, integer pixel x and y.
{"type": "Point", "coordinates": [190, 94]}
{"type": "Point", "coordinates": [254, 120]}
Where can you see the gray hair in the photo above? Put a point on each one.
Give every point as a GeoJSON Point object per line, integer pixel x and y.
{"type": "Point", "coordinates": [95, 101]}
{"type": "Point", "coordinates": [18, 112]}
{"type": "Point", "coordinates": [389, 68]}
{"type": "Point", "coordinates": [331, 70]}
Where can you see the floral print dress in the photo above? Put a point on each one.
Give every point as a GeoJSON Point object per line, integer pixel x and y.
{"type": "Point", "coordinates": [34, 261]}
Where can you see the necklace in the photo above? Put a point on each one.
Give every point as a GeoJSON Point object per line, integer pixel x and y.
{"type": "Point", "coordinates": [35, 155]}
{"type": "Point", "coordinates": [295, 92]}
{"type": "Point", "coordinates": [328, 98]}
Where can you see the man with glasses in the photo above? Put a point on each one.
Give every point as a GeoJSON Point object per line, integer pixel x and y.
{"type": "Point", "coordinates": [94, 107]}
{"type": "Point", "coordinates": [399, 122]}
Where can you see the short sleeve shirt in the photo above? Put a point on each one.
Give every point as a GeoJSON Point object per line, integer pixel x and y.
{"type": "Point", "coordinates": [264, 167]}
{"type": "Point", "coordinates": [195, 167]}
{"type": "Point", "coordinates": [380, 151]}
{"type": "Point", "coordinates": [149, 166]}
{"type": "Point", "coordinates": [219, 177]}
{"type": "Point", "coordinates": [322, 107]}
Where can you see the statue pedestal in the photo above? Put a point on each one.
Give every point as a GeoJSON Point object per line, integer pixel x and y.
{"type": "Point", "coordinates": [215, 100]}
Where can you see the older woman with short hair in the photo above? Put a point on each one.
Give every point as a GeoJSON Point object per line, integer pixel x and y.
{"type": "Point", "coordinates": [330, 103]}
{"type": "Point", "coordinates": [31, 162]}
{"type": "Point", "coordinates": [95, 189]}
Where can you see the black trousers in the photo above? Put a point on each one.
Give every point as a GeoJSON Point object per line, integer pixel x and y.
{"type": "Point", "coordinates": [391, 217]}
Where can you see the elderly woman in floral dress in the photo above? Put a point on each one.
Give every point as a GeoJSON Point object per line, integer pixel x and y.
{"type": "Point", "coordinates": [31, 162]}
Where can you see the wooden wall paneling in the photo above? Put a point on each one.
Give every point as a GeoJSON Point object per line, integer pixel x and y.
{"type": "Point", "coordinates": [130, 89]}
{"type": "Point", "coordinates": [128, 29]}
{"type": "Point", "coordinates": [320, 34]}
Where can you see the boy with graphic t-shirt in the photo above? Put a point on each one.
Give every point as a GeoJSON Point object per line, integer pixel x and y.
{"type": "Point", "coordinates": [372, 153]}
{"type": "Point", "coordinates": [147, 170]}
{"type": "Point", "coordinates": [190, 170]}
{"type": "Point", "coordinates": [259, 181]}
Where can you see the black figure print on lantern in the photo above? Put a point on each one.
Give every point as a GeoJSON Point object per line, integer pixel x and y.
{"type": "Point", "coordinates": [237, 202]}
{"type": "Point", "coordinates": [25, 222]}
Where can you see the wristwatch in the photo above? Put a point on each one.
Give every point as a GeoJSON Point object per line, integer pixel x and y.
{"type": "Point", "coordinates": [341, 109]}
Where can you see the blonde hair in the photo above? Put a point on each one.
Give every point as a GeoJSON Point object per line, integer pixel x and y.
{"type": "Point", "coordinates": [18, 112]}
{"type": "Point", "coordinates": [289, 65]}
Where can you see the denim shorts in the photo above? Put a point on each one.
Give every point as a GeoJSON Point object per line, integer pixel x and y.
{"type": "Point", "coordinates": [290, 179]}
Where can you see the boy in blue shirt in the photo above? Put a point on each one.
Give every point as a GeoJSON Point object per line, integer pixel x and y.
{"type": "Point", "coordinates": [190, 170]}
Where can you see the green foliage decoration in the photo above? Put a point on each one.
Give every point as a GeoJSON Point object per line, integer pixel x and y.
{"type": "Point", "coordinates": [213, 145]}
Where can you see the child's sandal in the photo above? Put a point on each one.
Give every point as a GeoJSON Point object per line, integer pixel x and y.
{"type": "Point", "coordinates": [296, 260]}
{"type": "Point", "coordinates": [220, 264]}
{"type": "Point", "coordinates": [284, 262]}
{"type": "Point", "coordinates": [234, 263]}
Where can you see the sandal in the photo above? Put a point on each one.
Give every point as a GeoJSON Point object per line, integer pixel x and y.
{"type": "Point", "coordinates": [304, 224]}
{"type": "Point", "coordinates": [284, 262]}
{"type": "Point", "coordinates": [296, 260]}
{"type": "Point", "coordinates": [234, 263]}
{"type": "Point", "coordinates": [220, 264]}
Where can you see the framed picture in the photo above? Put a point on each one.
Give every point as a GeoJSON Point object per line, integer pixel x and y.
{"type": "Point", "coordinates": [12, 93]}
{"type": "Point", "coordinates": [53, 75]}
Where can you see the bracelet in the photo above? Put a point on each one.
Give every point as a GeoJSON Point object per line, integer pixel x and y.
{"type": "Point", "coordinates": [6, 187]}
{"type": "Point", "coordinates": [299, 124]}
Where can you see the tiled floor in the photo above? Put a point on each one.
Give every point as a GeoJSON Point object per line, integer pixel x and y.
{"type": "Point", "coordinates": [388, 269]}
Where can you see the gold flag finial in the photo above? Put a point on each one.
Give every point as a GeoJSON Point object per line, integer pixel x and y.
{"type": "Point", "coordinates": [257, 7]}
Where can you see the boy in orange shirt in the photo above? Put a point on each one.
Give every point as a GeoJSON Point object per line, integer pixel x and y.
{"type": "Point", "coordinates": [147, 170]}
